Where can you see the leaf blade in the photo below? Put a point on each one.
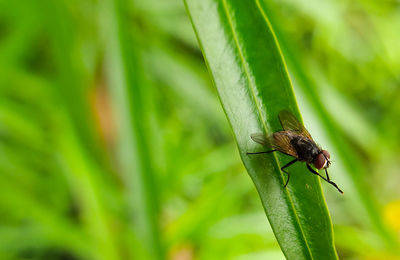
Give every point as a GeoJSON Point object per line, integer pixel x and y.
{"type": "Point", "coordinates": [237, 43]}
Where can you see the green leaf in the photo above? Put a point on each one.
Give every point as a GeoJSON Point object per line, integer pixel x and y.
{"type": "Point", "coordinates": [130, 100]}
{"type": "Point", "coordinates": [249, 73]}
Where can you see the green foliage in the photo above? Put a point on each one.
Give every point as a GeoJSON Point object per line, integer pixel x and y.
{"type": "Point", "coordinates": [114, 145]}
{"type": "Point", "coordinates": [246, 64]}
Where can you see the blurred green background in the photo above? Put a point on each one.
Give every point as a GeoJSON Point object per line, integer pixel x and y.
{"type": "Point", "coordinates": [114, 144]}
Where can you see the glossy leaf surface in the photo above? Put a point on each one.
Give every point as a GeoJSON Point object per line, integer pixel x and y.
{"type": "Point", "coordinates": [249, 73]}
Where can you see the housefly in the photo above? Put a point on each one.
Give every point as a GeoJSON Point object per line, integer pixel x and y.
{"type": "Point", "coordinates": [297, 142]}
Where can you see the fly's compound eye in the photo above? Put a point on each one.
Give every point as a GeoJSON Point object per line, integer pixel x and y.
{"type": "Point", "coordinates": [328, 157]}
{"type": "Point", "coordinates": [326, 153]}
{"type": "Point", "coordinates": [320, 161]}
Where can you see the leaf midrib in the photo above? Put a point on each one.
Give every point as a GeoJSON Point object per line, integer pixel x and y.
{"type": "Point", "coordinates": [251, 85]}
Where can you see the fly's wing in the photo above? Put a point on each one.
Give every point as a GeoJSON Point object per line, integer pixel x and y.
{"type": "Point", "coordinates": [281, 142]}
{"type": "Point", "coordinates": [290, 123]}
{"type": "Point", "coordinates": [261, 139]}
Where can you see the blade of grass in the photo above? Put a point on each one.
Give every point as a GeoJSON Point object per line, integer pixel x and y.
{"type": "Point", "coordinates": [73, 88]}
{"type": "Point", "coordinates": [128, 92]}
{"type": "Point", "coordinates": [80, 151]}
{"type": "Point", "coordinates": [245, 62]}
{"type": "Point", "coordinates": [84, 179]}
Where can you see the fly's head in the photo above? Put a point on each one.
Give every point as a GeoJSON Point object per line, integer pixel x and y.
{"type": "Point", "coordinates": [322, 160]}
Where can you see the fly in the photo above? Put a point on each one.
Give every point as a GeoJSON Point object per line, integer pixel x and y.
{"type": "Point", "coordinates": [297, 142]}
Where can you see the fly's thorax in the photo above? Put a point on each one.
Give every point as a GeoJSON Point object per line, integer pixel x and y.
{"type": "Point", "coordinates": [306, 149]}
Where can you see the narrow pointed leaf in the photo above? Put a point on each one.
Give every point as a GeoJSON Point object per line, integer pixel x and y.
{"type": "Point", "coordinates": [248, 70]}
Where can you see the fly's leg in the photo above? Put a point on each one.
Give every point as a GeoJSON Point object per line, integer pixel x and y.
{"type": "Point", "coordinates": [262, 152]}
{"type": "Point", "coordinates": [327, 175]}
{"type": "Point", "coordinates": [270, 152]}
{"type": "Point", "coordinates": [282, 168]}
{"type": "Point", "coordinates": [288, 174]}
{"type": "Point", "coordinates": [327, 180]}
{"type": "Point", "coordinates": [315, 172]}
